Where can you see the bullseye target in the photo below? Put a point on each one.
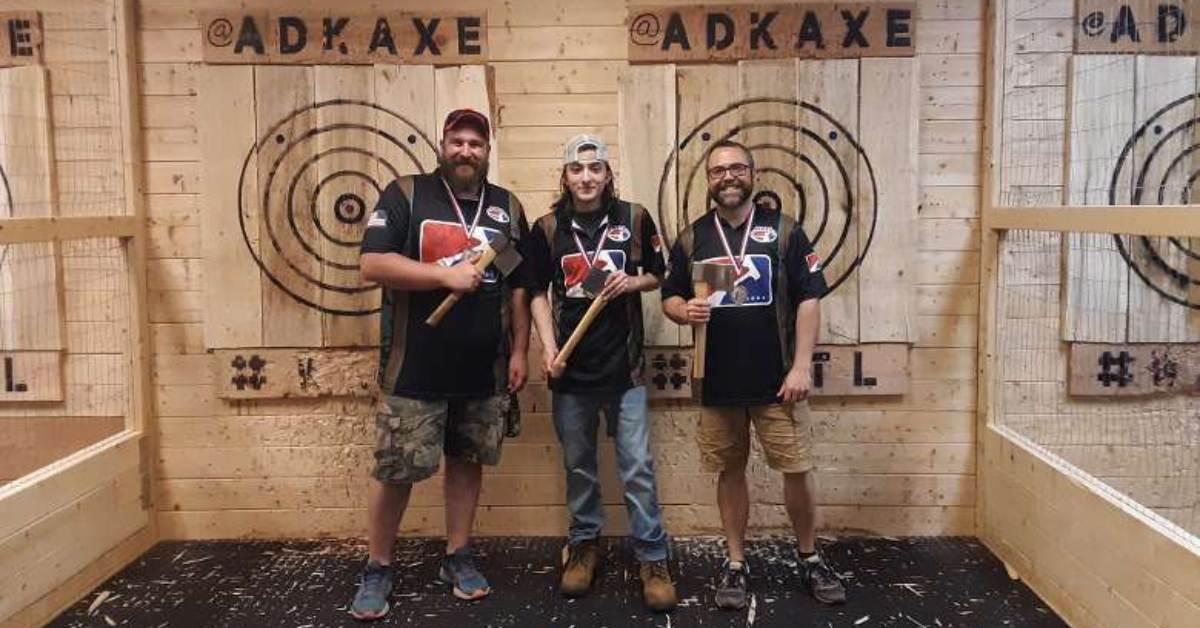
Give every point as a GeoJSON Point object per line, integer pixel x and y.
{"type": "Point", "coordinates": [1159, 165]}
{"type": "Point", "coordinates": [806, 163]}
{"type": "Point", "coordinates": [307, 189]}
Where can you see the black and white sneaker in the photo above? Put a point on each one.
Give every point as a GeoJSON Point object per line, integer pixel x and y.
{"type": "Point", "coordinates": [734, 586]}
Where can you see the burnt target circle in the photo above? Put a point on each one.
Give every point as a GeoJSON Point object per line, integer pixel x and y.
{"type": "Point", "coordinates": [1159, 165]}
{"type": "Point", "coordinates": [821, 175]}
{"type": "Point", "coordinates": [307, 187]}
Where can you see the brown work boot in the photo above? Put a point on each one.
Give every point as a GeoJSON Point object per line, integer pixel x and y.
{"type": "Point", "coordinates": [579, 568]}
{"type": "Point", "coordinates": [657, 588]}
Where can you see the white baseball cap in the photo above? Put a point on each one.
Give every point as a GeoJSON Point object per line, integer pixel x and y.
{"type": "Point", "coordinates": [583, 142]}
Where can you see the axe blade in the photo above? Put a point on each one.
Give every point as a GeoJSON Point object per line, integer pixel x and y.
{"type": "Point", "coordinates": [593, 284]}
{"type": "Point", "coordinates": [718, 277]}
{"type": "Point", "coordinates": [507, 257]}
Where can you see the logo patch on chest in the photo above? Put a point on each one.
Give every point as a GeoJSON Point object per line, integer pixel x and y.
{"type": "Point", "coordinates": [764, 235]}
{"type": "Point", "coordinates": [498, 214]}
{"type": "Point", "coordinates": [619, 233]}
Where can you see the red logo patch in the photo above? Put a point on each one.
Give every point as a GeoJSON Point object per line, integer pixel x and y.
{"type": "Point", "coordinates": [814, 262]}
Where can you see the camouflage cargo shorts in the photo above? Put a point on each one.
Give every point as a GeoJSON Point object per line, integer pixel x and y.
{"type": "Point", "coordinates": [411, 435]}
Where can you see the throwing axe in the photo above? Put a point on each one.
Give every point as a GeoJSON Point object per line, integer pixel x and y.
{"type": "Point", "coordinates": [498, 250]}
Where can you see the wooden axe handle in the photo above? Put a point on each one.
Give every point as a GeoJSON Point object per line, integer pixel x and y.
{"type": "Point", "coordinates": [701, 334]}
{"type": "Point", "coordinates": [489, 254]}
{"type": "Point", "coordinates": [577, 335]}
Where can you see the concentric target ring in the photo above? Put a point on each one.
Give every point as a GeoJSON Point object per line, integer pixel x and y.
{"type": "Point", "coordinates": [829, 177]}
{"type": "Point", "coordinates": [306, 189]}
{"type": "Point", "coordinates": [1155, 156]}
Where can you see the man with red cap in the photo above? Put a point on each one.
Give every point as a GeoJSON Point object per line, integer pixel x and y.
{"type": "Point", "coordinates": [444, 388]}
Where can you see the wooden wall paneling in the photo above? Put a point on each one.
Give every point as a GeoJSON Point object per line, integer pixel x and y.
{"type": "Point", "coordinates": [647, 137]}
{"type": "Point", "coordinates": [1165, 88]}
{"type": "Point", "coordinates": [281, 92]}
{"type": "Point", "coordinates": [227, 133]}
{"type": "Point", "coordinates": [1101, 121]}
{"type": "Point", "coordinates": [1192, 269]}
{"type": "Point", "coordinates": [347, 187]}
{"type": "Point", "coordinates": [827, 170]}
{"type": "Point", "coordinates": [888, 133]}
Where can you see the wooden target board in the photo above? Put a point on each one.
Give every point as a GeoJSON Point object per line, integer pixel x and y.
{"type": "Point", "coordinates": [1133, 142]}
{"type": "Point", "coordinates": [837, 153]}
{"type": "Point", "coordinates": [31, 323]}
{"type": "Point", "coordinates": [296, 158]}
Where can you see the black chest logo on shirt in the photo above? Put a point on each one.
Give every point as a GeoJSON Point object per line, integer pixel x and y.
{"type": "Point", "coordinates": [305, 193]}
{"type": "Point", "coordinates": [814, 180]}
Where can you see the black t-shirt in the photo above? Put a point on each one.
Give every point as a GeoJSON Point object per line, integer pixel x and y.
{"type": "Point", "coordinates": [609, 356]}
{"type": "Point", "coordinates": [462, 356]}
{"type": "Point", "coordinates": [749, 345]}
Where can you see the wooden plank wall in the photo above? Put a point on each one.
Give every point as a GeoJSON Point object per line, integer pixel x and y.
{"type": "Point", "coordinates": [1082, 291]}
{"type": "Point", "coordinates": [298, 468]}
{"type": "Point", "coordinates": [92, 299]}
{"type": "Point", "coordinates": [1042, 522]}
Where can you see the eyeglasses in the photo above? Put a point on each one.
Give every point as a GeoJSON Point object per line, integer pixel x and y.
{"type": "Point", "coordinates": [716, 173]}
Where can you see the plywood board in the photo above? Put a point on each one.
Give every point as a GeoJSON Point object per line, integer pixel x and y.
{"type": "Point", "coordinates": [344, 37]}
{"type": "Point", "coordinates": [669, 34]}
{"type": "Point", "coordinates": [888, 131]}
{"type": "Point", "coordinates": [1101, 122]}
{"type": "Point", "coordinates": [830, 209]}
{"type": "Point", "coordinates": [21, 38]}
{"type": "Point", "coordinates": [1132, 370]}
{"type": "Point", "coordinates": [266, 373]}
{"type": "Point", "coordinates": [1162, 161]}
{"type": "Point", "coordinates": [350, 175]}
{"type": "Point", "coordinates": [1124, 26]}
{"type": "Point", "coordinates": [861, 370]}
{"type": "Point", "coordinates": [229, 222]}
{"type": "Point", "coordinates": [646, 105]}
{"type": "Point", "coordinates": [283, 98]}
{"type": "Point", "coordinates": [705, 117]}
{"type": "Point", "coordinates": [31, 376]}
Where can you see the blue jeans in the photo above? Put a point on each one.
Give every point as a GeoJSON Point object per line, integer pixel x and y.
{"type": "Point", "coordinates": [576, 419]}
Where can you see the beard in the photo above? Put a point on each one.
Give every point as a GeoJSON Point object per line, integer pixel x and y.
{"type": "Point", "coordinates": [463, 171]}
{"type": "Point", "coordinates": [729, 195]}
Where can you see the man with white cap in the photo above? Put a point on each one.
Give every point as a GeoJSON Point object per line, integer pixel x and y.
{"type": "Point", "coordinates": [590, 230]}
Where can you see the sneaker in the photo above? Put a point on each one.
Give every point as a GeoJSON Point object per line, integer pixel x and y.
{"type": "Point", "coordinates": [822, 581]}
{"type": "Point", "coordinates": [579, 568]}
{"type": "Point", "coordinates": [734, 586]}
{"type": "Point", "coordinates": [371, 601]}
{"type": "Point", "coordinates": [458, 569]}
{"type": "Point", "coordinates": [657, 589]}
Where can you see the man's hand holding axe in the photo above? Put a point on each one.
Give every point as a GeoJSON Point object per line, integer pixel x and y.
{"type": "Point", "coordinates": [465, 276]}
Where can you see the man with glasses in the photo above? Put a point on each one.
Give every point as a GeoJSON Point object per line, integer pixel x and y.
{"type": "Point", "coordinates": [760, 334]}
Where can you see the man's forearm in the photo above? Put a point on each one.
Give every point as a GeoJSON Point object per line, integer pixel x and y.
{"type": "Point", "coordinates": [645, 282]}
{"type": "Point", "coordinates": [395, 271]}
{"type": "Point", "coordinates": [544, 321]}
{"type": "Point", "coordinates": [676, 309]}
{"type": "Point", "coordinates": [808, 322]}
{"type": "Point", "coordinates": [520, 321]}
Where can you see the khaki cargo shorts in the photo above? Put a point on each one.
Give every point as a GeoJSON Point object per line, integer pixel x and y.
{"type": "Point", "coordinates": [784, 431]}
{"type": "Point", "coordinates": [412, 434]}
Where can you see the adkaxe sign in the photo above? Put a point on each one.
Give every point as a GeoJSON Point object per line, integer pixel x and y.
{"type": "Point", "coordinates": [1146, 27]}
{"type": "Point", "coordinates": [20, 38]}
{"type": "Point", "coordinates": [829, 30]}
{"type": "Point", "coordinates": [447, 38]}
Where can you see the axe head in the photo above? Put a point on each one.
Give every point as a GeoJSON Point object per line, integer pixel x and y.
{"type": "Point", "coordinates": [593, 284]}
{"type": "Point", "coordinates": [507, 257]}
{"type": "Point", "coordinates": [718, 277]}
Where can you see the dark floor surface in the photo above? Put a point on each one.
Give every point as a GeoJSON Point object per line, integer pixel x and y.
{"type": "Point", "coordinates": [908, 582]}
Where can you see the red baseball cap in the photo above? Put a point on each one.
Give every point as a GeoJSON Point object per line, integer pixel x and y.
{"type": "Point", "coordinates": [469, 119]}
